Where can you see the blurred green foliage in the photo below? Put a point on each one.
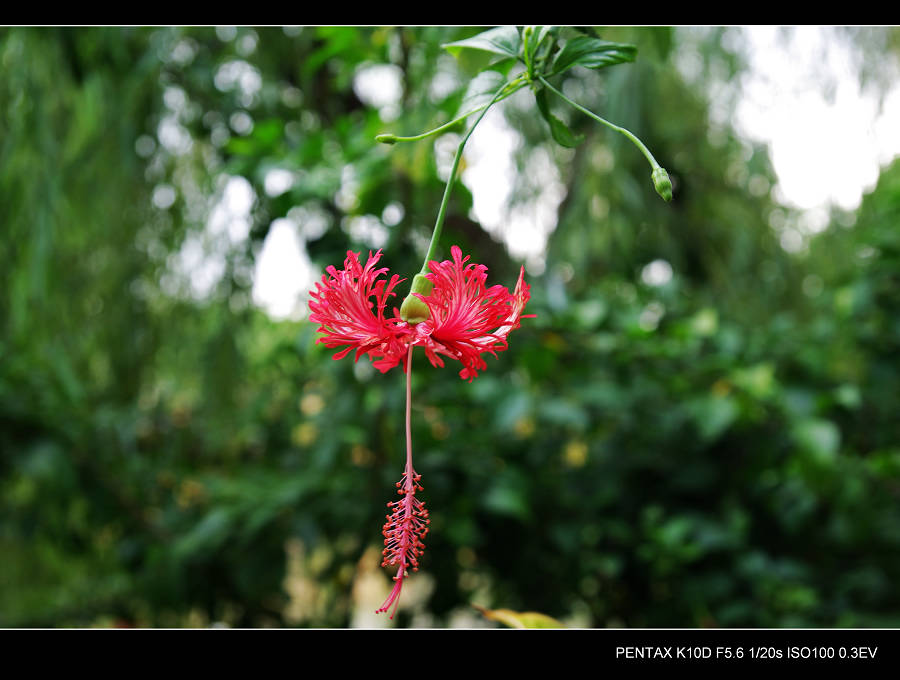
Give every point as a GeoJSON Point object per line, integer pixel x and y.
{"type": "Point", "coordinates": [718, 447]}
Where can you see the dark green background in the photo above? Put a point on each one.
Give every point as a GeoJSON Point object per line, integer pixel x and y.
{"type": "Point", "coordinates": [169, 461]}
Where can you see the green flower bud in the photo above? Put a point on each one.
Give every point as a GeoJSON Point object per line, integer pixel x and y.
{"type": "Point", "coordinates": [386, 139]}
{"type": "Point", "coordinates": [413, 310]}
{"type": "Point", "coordinates": [662, 183]}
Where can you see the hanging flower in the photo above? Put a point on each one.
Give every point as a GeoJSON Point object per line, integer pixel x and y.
{"type": "Point", "coordinates": [449, 313]}
{"type": "Point", "coordinates": [466, 319]}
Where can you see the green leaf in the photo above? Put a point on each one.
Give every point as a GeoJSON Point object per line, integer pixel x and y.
{"type": "Point", "coordinates": [758, 380]}
{"type": "Point", "coordinates": [269, 132]}
{"type": "Point", "coordinates": [504, 40]}
{"type": "Point", "coordinates": [818, 437]}
{"type": "Point", "coordinates": [713, 415]}
{"type": "Point", "coordinates": [207, 535]}
{"type": "Point", "coordinates": [514, 619]}
{"type": "Point", "coordinates": [560, 131]}
{"type": "Point", "coordinates": [592, 53]}
{"type": "Point", "coordinates": [508, 500]}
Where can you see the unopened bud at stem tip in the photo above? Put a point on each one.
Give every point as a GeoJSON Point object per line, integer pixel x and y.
{"type": "Point", "coordinates": [662, 183]}
{"type": "Point", "coordinates": [386, 139]}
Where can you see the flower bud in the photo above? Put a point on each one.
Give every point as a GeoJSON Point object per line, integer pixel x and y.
{"type": "Point", "coordinates": [662, 183]}
{"type": "Point", "coordinates": [413, 310]}
{"type": "Point", "coordinates": [386, 139]}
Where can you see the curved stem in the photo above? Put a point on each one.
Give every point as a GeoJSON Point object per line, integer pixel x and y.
{"type": "Point", "coordinates": [437, 130]}
{"type": "Point", "coordinates": [637, 142]}
{"type": "Point", "coordinates": [392, 139]}
{"type": "Point", "coordinates": [442, 211]}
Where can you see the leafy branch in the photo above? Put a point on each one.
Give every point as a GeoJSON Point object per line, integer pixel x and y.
{"type": "Point", "coordinates": [544, 53]}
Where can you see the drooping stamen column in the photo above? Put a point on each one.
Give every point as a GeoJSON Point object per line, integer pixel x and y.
{"type": "Point", "coordinates": [408, 523]}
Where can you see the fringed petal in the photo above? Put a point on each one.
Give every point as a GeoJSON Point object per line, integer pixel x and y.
{"type": "Point", "coordinates": [349, 304]}
{"type": "Point", "coordinates": [469, 319]}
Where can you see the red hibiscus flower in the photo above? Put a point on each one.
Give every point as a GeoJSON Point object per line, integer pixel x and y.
{"type": "Point", "coordinates": [456, 316]}
{"type": "Point", "coordinates": [466, 318]}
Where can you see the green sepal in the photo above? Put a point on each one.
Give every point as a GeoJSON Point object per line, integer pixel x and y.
{"type": "Point", "coordinates": [413, 310]}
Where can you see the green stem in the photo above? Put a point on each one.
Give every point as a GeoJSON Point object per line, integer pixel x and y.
{"type": "Point", "coordinates": [442, 211]}
{"type": "Point", "coordinates": [658, 174]}
{"type": "Point", "coordinates": [637, 142]}
{"type": "Point", "coordinates": [393, 139]}
{"type": "Point", "coordinates": [413, 310]}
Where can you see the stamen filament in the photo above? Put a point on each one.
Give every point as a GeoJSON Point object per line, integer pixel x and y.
{"type": "Point", "coordinates": [409, 468]}
{"type": "Point", "coordinates": [407, 524]}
